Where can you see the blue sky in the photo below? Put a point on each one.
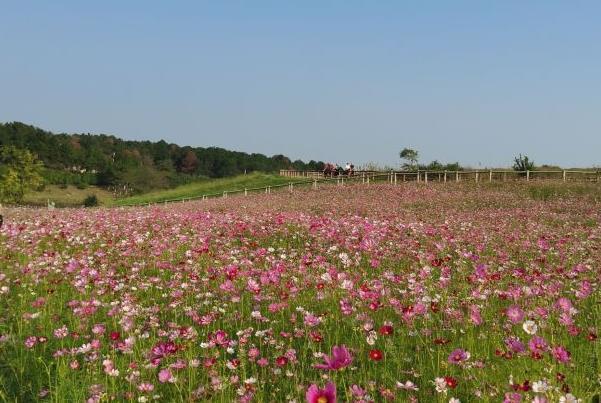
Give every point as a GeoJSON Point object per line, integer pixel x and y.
{"type": "Point", "coordinates": [470, 81]}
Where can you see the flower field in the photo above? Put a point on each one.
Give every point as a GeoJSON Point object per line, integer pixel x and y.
{"type": "Point", "coordinates": [427, 293]}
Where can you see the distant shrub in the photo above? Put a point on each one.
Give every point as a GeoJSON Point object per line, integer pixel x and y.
{"type": "Point", "coordinates": [91, 201]}
{"type": "Point", "coordinates": [523, 163]}
{"type": "Point", "coordinates": [81, 185]}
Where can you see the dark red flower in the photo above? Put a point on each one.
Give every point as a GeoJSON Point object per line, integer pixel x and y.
{"type": "Point", "coordinates": [386, 330]}
{"type": "Point", "coordinates": [375, 354]}
{"type": "Point", "coordinates": [592, 336]}
{"type": "Point", "coordinates": [281, 361]}
{"type": "Point", "coordinates": [115, 336]}
{"type": "Point", "coordinates": [451, 382]}
{"type": "Point", "coordinates": [316, 336]}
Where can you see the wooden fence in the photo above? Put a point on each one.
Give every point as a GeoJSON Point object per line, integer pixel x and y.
{"type": "Point", "coordinates": [459, 176]}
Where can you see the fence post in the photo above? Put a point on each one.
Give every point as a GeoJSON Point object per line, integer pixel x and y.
{"type": "Point", "coordinates": [456, 176]}
{"type": "Point", "coordinates": [564, 175]}
{"type": "Point", "coordinates": [477, 176]}
{"type": "Point", "coordinates": [362, 177]}
{"type": "Point", "coordinates": [404, 178]}
{"type": "Point", "coordinates": [445, 176]}
{"type": "Point", "coordinates": [395, 178]}
{"type": "Point", "coordinates": [368, 179]}
{"type": "Point", "coordinates": [315, 184]}
{"type": "Point", "coordinates": [527, 176]}
{"type": "Point", "coordinates": [245, 192]}
{"type": "Point", "coordinates": [504, 176]}
{"type": "Point", "coordinates": [418, 175]}
{"type": "Point", "coordinates": [426, 177]}
{"type": "Point", "coordinates": [490, 175]}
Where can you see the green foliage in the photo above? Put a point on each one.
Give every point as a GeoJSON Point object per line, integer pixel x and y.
{"type": "Point", "coordinates": [411, 156]}
{"type": "Point", "coordinates": [523, 163]}
{"type": "Point", "coordinates": [19, 171]}
{"type": "Point", "coordinates": [117, 162]}
{"type": "Point", "coordinates": [90, 201]}
{"type": "Point", "coordinates": [438, 166]}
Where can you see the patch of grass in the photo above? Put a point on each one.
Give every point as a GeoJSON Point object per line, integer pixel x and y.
{"type": "Point", "coordinates": [209, 186]}
{"type": "Point", "coordinates": [545, 192]}
{"type": "Point", "coordinates": [69, 196]}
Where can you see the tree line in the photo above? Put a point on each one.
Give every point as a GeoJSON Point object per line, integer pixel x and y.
{"type": "Point", "coordinates": [106, 160]}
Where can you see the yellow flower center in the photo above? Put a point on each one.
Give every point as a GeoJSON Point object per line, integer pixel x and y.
{"type": "Point", "coordinates": [322, 399]}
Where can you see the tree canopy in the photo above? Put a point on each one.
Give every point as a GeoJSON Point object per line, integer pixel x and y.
{"type": "Point", "coordinates": [109, 161]}
{"type": "Point", "coordinates": [19, 171]}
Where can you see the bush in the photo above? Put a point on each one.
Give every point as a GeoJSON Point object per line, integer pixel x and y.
{"type": "Point", "coordinates": [91, 201]}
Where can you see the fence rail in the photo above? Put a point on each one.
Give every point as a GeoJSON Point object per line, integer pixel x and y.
{"type": "Point", "coordinates": [488, 175]}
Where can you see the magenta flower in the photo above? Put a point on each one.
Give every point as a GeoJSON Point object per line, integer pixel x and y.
{"type": "Point", "coordinates": [561, 354]}
{"type": "Point", "coordinates": [515, 345]}
{"type": "Point", "coordinates": [458, 356]}
{"type": "Point", "coordinates": [340, 358]}
{"type": "Point", "coordinates": [515, 314]}
{"type": "Point", "coordinates": [325, 395]}
{"type": "Point", "coordinates": [512, 397]}
{"type": "Point", "coordinates": [537, 345]}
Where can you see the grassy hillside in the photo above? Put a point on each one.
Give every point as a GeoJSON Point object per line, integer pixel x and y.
{"type": "Point", "coordinates": [70, 196]}
{"type": "Point", "coordinates": [209, 186]}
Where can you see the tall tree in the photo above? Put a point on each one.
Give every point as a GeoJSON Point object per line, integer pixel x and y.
{"type": "Point", "coordinates": [20, 171]}
{"type": "Point", "coordinates": [410, 156]}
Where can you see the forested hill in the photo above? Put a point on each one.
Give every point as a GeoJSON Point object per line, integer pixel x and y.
{"type": "Point", "coordinates": [116, 160]}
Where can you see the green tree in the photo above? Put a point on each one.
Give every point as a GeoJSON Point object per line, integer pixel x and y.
{"type": "Point", "coordinates": [20, 171]}
{"type": "Point", "coordinates": [411, 156]}
{"type": "Point", "coordinates": [523, 163]}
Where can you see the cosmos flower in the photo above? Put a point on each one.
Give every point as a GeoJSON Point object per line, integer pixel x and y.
{"type": "Point", "coordinates": [530, 327]}
{"type": "Point", "coordinates": [340, 358]}
{"type": "Point", "coordinates": [458, 356]}
{"type": "Point", "coordinates": [515, 314]}
{"type": "Point", "coordinates": [326, 395]}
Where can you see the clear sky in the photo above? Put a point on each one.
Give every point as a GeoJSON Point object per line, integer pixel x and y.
{"type": "Point", "coordinates": [470, 81]}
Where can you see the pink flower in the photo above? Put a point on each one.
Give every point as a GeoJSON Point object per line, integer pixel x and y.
{"type": "Point", "coordinates": [475, 315]}
{"type": "Point", "coordinates": [458, 356]}
{"type": "Point", "coordinates": [537, 345]}
{"type": "Point", "coordinates": [165, 376]}
{"type": "Point", "coordinates": [31, 341]}
{"type": "Point", "coordinates": [515, 345]}
{"type": "Point", "coordinates": [340, 358]}
{"type": "Point", "coordinates": [325, 395]}
{"type": "Point", "coordinates": [564, 304]}
{"type": "Point", "coordinates": [561, 354]}
{"type": "Point", "coordinates": [515, 314]}
{"type": "Point", "coordinates": [146, 387]}
{"type": "Point", "coordinates": [512, 397]}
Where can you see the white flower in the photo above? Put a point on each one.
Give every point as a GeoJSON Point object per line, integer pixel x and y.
{"type": "Point", "coordinates": [540, 386]}
{"type": "Point", "coordinates": [408, 385]}
{"type": "Point", "coordinates": [530, 327]}
{"type": "Point", "coordinates": [372, 337]}
{"type": "Point", "coordinates": [454, 400]}
{"type": "Point", "coordinates": [441, 385]}
{"type": "Point", "coordinates": [569, 398]}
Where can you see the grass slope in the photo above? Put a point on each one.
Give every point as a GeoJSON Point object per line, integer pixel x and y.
{"type": "Point", "coordinates": [67, 197]}
{"type": "Point", "coordinates": [210, 186]}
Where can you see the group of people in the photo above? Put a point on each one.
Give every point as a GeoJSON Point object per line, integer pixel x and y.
{"type": "Point", "coordinates": [331, 169]}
